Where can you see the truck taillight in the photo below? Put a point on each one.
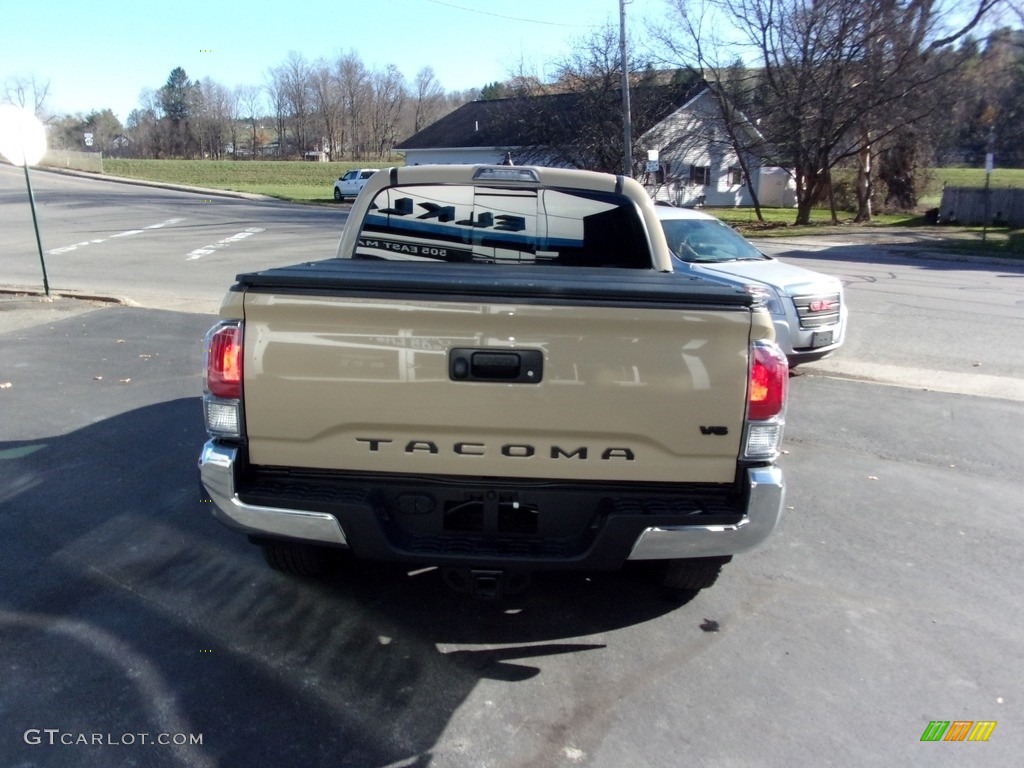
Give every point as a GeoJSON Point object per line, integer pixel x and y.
{"type": "Point", "coordinates": [769, 377]}
{"type": "Point", "coordinates": [222, 361]}
{"type": "Point", "coordinates": [766, 401]}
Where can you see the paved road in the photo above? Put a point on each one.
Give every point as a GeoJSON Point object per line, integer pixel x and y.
{"type": "Point", "coordinates": [155, 247]}
{"type": "Point", "coordinates": [918, 322]}
{"type": "Point", "coordinates": [926, 323]}
{"type": "Point", "coordinates": [888, 597]}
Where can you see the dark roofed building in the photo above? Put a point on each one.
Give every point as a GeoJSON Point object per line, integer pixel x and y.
{"type": "Point", "coordinates": [680, 121]}
{"type": "Point", "coordinates": [476, 132]}
{"type": "Point", "coordinates": [483, 131]}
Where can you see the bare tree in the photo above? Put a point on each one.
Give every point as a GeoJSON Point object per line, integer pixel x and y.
{"type": "Point", "coordinates": [900, 73]}
{"type": "Point", "coordinates": [428, 99]}
{"type": "Point", "coordinates": [232, 111]}
{"type": "Point", "coordinates": [143, 126]}
{"type": "Point", "coordinates": [832, 78]}
{"type": "Point", "coordinates": [328, 106]}
{"type": "Point", "coordinates": [357, 97]}
{"type": "Point", "coordinates": [26, 92]}
{"type": "Point", "coordinates": [581, 124]}
{"type": "Point", "coordinates": [250, 104]}
{"type": "Point", "coordinates": [730, 84]}
{"type": "Point", "coordinates": [291, 96]}
{"type": "Point", "coordinates": [276, 93]}
{"type": "Point", "coordinates": [214, 110]}
{"type": "Point", "coordinates": [1014, 11]}
{"type": "Point", "coordinates": [389, 94]}
{"type": "Point", "coordinates": [298, 94]}
{"type": "Point", "coordinates": [455, 99]}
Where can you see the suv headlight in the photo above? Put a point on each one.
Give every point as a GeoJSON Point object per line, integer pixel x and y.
{"type": "Point", "coordinates": [767, 296]}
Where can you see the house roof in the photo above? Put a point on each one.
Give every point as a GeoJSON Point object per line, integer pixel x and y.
{"type": "Point", "coordinates": [490, 123]}
{"type": "Point", "coordinates": [476, 124]}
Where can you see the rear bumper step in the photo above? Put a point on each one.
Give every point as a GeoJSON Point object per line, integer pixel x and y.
{"type": "Point", "coordinates": [473, 524]}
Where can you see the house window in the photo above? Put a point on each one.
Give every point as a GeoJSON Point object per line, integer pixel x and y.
{"type": "Point", "coordinates": [700, 175]}
{"type": "Point", "coordinates": [735, 176]}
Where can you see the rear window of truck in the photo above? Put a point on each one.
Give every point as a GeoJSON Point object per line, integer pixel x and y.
{"type": "Point", "coordinates": [500, 225]}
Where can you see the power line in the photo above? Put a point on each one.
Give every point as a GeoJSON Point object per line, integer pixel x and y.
{"type": "Point", "coordinates": [508, 18]}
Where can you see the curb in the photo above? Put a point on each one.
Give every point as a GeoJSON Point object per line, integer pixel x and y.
{"type": "Point", "coordinates": [965, 258]}
{"type": "Point", "coordinates": [14, 292]}
{"type": "Point", "coordinates": [893, 250]}
{"type": "Point", "coordinates": [159, 184]}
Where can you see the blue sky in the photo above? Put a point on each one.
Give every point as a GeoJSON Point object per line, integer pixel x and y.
{"type": "Point", "coordinates": [102, 54]}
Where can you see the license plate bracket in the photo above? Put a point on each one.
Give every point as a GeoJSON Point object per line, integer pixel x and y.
{"type": "Point", "coordinates": [821, 339]}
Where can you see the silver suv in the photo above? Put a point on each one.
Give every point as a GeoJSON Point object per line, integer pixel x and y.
{"type": "Point", "coordinates": [808, 308]}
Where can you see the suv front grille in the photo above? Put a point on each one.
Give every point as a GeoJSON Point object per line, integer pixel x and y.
{"type": "Point", "coordinates": [818, 310]}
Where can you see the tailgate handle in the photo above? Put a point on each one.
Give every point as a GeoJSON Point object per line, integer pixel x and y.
{"type": "Point", "coordinates": [521, 366]}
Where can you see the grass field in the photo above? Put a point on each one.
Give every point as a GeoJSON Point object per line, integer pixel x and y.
{"type": "Point", "coordinates": [312, 182]}
{"type": "Point", "coordinates": [996, 241]}
{"type": "Point", "coordinates": [778, 218]}
{"type": "Point", "coordinates": [937, 178]}
{"type": "Point", "coordinates": [993, 241]}
{"type": "Point", "coordinates": [300, 182]}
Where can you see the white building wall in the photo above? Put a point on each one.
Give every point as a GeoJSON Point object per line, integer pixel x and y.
{"type": "Point", "coordinates": [694, 136]}
{"type": "Point", "coordinates": [776, 188]}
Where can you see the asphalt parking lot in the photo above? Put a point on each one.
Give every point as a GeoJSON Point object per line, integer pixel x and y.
{"type": "Point", "coordinates": [886, 600]}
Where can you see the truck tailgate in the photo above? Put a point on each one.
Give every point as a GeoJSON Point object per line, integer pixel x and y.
{"type": "Point", "coordinates": [625, 389]}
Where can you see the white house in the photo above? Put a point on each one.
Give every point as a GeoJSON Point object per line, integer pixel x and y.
{"type": "Point", "coordinates": [700, 166]}
{"type": "Point", "coordinates": [697, 163]}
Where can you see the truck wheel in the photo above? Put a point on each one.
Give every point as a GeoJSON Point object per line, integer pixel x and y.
{"type": "Point", "coordinates": [299, 559]}
{"type": "Point", "coordinates": [685, 577]}
{"type": "Point", "coordinates": [337, 195]}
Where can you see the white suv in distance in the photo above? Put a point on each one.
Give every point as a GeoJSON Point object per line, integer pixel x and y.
{"type": "Point", "coordinates": [352, 182]}
{"type": "Point", "coordinates": [808, 308]}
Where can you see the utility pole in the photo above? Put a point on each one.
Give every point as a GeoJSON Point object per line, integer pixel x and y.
{"type": "Point", "coordinates": [627, 120]}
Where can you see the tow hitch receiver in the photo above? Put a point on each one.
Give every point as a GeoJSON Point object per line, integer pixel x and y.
{"type": "Point", "coordinates": [486, 584]}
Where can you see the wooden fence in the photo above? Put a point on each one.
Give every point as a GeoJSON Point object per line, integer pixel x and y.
{"type": "Point", "coordinates": [80, 161]}
{"type": "Point", "coordinates": [974, 206]}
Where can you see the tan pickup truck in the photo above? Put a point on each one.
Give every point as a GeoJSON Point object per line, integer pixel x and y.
{"type": "Point", "coordinates": [498, 373]}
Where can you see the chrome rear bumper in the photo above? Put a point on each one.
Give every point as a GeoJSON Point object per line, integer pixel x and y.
{"type": "Point", "coordinates": [764, 508]}
{"type": "Point", "coordinates": [217, 473]}
{"type": "Point", "coordinates": [765, 497]}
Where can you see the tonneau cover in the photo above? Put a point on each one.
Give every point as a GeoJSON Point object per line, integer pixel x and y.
{"type": "Point", "coordinates": [459, 281]}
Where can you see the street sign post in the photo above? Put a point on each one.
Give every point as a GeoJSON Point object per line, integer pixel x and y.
{"type": "Point", "coordinates": [23, 142]}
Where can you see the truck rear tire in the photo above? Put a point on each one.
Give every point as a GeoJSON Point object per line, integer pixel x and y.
{"type": "Point", "coordinates": [687, 576]}
{"type": "Point", "coordinates": [299, 559]}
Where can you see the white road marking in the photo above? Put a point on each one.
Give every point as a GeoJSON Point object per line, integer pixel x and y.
{"type": "Point", "coordinates": [164, 223]}
{"type": "Point", "coordinates": [198, 253]}
{"type": "Point", "coordinates": [126, 233]}
{"type": "Point", "coordinates": [67, 248]}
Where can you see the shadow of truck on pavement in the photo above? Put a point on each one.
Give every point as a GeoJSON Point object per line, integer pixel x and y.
{"type": "Point", "coordinates": [127, 610]}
